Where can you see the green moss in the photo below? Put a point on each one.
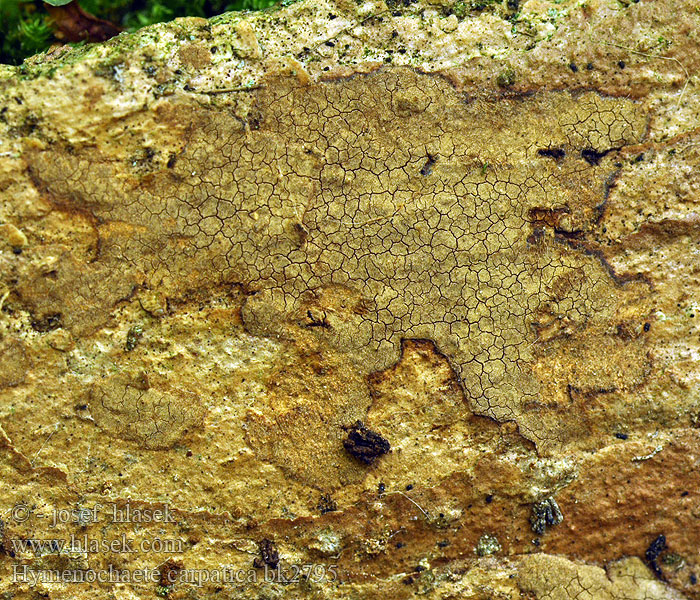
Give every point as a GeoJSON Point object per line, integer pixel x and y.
{"type": "Point", "coordinates": [506, 78]}
{"type": "Point", "coordinates": [26, 29]}
{"type": "Point", "coordinates": [464, 7]}
{"type": "Point", "coordinates": [487, 545]}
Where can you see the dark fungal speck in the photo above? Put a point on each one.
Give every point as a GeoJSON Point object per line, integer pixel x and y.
{"type": "Point", "coordinates": [555, 153]}
{"type": "Point", "coordinates": [427, 168]}
{"type": "Point", "coordinates": [653, 552]}
{"type": "Point", "coordinates": [591, 156]}
{"type": "Point", "coordinates": [364, 444]}
{"type": "Point", "coordinates": [268, 555]}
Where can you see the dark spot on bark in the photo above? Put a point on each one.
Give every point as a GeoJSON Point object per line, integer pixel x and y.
{"type": "Point", "coordinates": [364, 444]}
{"type": "Point", "coordinates": [133, 337]}
{"type": "Point", "coordinates": [555, 153]}
{"type": "Point", "coordinates": [427, 168]}
{"type": "Point", "coordinates": [593, 157]}
{"type": "Point", "coordinates": [317, 320]}
{"type": "Point", "coordinates": [545, 514]}
{"type": "Point", "coordinates": [47, 323]}
{"type": "Point", "coordinates": [326, 504]}
{"type": "Point", "coordinates": [536, 236]}
{"type": "Point", "coordinates": [268, 555]}
{"type": "Point", "coordinates": [652, 554]}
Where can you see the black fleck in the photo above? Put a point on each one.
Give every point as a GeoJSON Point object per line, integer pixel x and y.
{"type": "Point", "coordinates": [428, 166]}
{"type": "Point", "coordinates": [47, 323]}
{"type": "Point", "coordinates": [545, 514]}
{"type": "Point", "coordinates": [365, 445]}
{"type": "Point", "coordinates": [133, 337]}
{"type": "Point", "coordinates": [555, 153]}
{"type": "Point", "coordinates": [653, 552]}
{"type": "Point", "coordinates": [593, 157]}
{"type": "Point", "coordinates": [268, 555]}
{"type": "Point", "coordinates": [326, 504]}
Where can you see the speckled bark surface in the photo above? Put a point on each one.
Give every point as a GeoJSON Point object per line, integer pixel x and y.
{"type": "Point", "coordinates": [472, 228]}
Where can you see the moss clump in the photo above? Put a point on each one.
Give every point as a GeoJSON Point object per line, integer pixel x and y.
{"type": "Point", "coordinates": [487, 545]}
{"type": "Point", "coordinates": [506, 78]}
{"type": "Point", "coordinates": [27, 29]}
{"type": "Point", "coordinates": [464, 7]}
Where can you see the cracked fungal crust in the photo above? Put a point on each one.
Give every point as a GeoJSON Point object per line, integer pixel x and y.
{"type": "Point", "coordinates": [132, 408]}
{"type": "Point", "coordinates": [373, 209]}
